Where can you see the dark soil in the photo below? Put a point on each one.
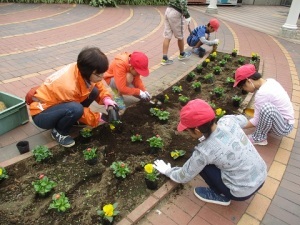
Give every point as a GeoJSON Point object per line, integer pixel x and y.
{"type": "Point", "coordinates": [90, 187]}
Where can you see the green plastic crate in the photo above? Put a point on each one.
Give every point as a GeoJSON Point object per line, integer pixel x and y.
{"type": "Point", "coordinates": [15, 113]}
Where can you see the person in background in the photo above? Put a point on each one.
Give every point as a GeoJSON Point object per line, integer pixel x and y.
{"type": "Point", "coordinates": [201, 35]}
{"type": "Point", "coordinates": [273, 109]}
{"type": "Point", "coordinates": [124, 76]}
{"type": "Point", "coordinates": [65, 96]}
{"type": "Point", "coordinates": [176, 15]}
{"type": "Point", "coordinates": [225, 158]}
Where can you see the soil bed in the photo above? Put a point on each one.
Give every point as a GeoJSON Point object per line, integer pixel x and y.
{"type": "Point", "coordinates": [90, 187]}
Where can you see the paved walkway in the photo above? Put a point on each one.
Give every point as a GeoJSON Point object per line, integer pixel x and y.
{"type": "Point", "coordinates": [38, 39]}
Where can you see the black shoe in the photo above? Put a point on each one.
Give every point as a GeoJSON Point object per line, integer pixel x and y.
{"type": "Point", "coordinates": [65, 141]}
{"type": "Point", "coordinates": [201, 52]}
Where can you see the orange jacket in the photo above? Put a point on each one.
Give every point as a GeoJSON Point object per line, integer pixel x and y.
{"type": "Point", "coordinates": [67, 85]}
{"type": "Point", "coordinates": [118, 69]}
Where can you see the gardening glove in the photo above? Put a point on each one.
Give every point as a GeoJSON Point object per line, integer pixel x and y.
{"type": "Point", "coordinates": [161, 166]}
{"type": "Point", "coordinates": [144, 95]}
{"type": "Point", "coordinates": [109, 102]}
{"type": "Point", "coordinates": [188, 20]}
{"type": "Point", "coordinates": [148, 95]}
{"type": "Point", "coordinates": [216, 41]}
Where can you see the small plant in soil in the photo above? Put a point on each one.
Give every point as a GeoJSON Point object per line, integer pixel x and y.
{"type": "Point", "coordinates": [219, 91]}
{"type": "Point", "coordinates": [183, 99]}
{"type": "Point", "coordinates": [234, 52]}
{"type": "Point", "coordinates": [217, 70]}
{"type": "Point", "coordinates": [213, 105]}
{"type": "Point", "coordinates": [196, 85]}
{"type": "Point", "coordinates": [219, 113]}
{"type": "Point", "coordinates": [222, 62]}
{"type": "Point", "coordinates": [136, 138]}
{"type": "Point", "coordinates": [241, 60]}
{"type": "Point", "coordinates": [90, 153]}
{"type": "Point", "coordinates": [230, 80]}
{"type": "Point", "coordinates": [227, 57]}
{"type": "Point", "coordinates": [86, 132]}
{"type": "Point", "coordinates": [199, 68]}
{"type": "Point", "coordinates": [43, 185]}
{"type": "Point", "coordinates": [155, 142]}
{"type": "Point", "coordinates": [213, 56]}
{"type": "Point", "coordinates": [236, 100]}
{"type": "Point", "coordinates": [191, 75]}
{"type": "Point", "coordinates": [162, 115]}
{"type": "Point", "coordinates": [120, 169]}
{"type": "Point", "coordinates": [41, 153]}
{"type": "Point", "coordinates": [150, 172]}
{"type": "Point", "coordinates": [3, 173]}
{"type": "Point", "coordinates": [60, 202]}
{"type": "Point", "coordinates": [108, 212]}
{"type": "Point", "coordinates": [209, 78]}
{"type": "Point", "coordinates": [177, 153]}
{"type": "Point", "coordinates": [254, 56]}
{"type": "Point", "coordinates": [205, 62]}
{"type": "Point", "coordinates": [177, 89]}
{"type": "Point", "coordinates": [166, 99]}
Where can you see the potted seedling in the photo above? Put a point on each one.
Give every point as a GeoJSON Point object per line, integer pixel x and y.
{"type": "Point", "coordinates": [86, 134]}
{"type": "Point", "coordinates": [230, 81]}
{"type": "Point", "coordinates": [254, 56]}
{"type": "Point", "coordinates": [162, 115]}
{"type": "Point", "coordinates": [213, 56]}
{"type": "Point", "coordinates": [177, 153]}
{"type": "Point", "coordinates": [3, 174]}
{"type": "Point", "coordinates": [60, 202]}
{"type": "Point", "coordinates": [43, 186]}
{"type": "Point", "coordinates": [219, 91]}
{"type": "Point", "coordinates": [108, 213]}
{"type": "Point", "coordinates": [234, 52]}
{"type": "Point", "coordinates": [176, 89]}
{"type": "Point", "coordinates": [136, 138]}
{"type": "Point", "coordinates": [120, 169]}
{"type": "Point", "coordinates": [222, 62]}
{"type": "Point", "coordinates": [199, 68]}
{"type": "Point", "coordinates": [183, 100]}
{"type": "Point", "coordinates": [190, 76]}
{"type": "Point", "coordinates": [196, 86]}
{"type": "Point", "coordinates": [162, 98]}
{"type": "Point", "coordinates": [217, 70]}
{"type": "Point", "coordinates": [41, 153]}
{"type": "Point", "coordinates": [227, 57]}
{"type": "Point", "coordinates": [241, 60]}
{"type": "Point", "coordinates": [219, 113]}
{"type": "Point", "coordinates": [156, 143]}
{"type": "Point", "coordinates": [90, 155]}
{"type": "Point", "coordinates": [236, 100]}
{"type": "Point", "coordinates": [151, 176]}
{"type": "Point", "coordinates": [209, 78]}
{"type": "Point", "coordinates": [205, 62]}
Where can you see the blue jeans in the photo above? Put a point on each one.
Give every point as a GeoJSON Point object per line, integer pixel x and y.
{"type": "Point", "coordinates": [63, 116]}
{"type": "Point", "coordinates": [212, 176]}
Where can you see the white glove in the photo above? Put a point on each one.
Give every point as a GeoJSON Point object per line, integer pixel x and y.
{"type": "Point", "coordinates": [188, 20]}
{"type": "Point", "coordinates": [144, 95]}
{"type": "Point", "coordinates": [148, 95]}
{"type": "Point", "coordinates": [161, 166]}
{"type": "Point", "coordinates": [216, 41]}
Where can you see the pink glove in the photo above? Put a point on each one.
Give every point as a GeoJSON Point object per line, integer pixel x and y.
{"type": "Point", "coordinates": [108, 101]}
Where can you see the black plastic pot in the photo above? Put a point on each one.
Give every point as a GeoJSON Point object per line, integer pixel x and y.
{"type": "Point", "coordinates": [189, 78]}
{"type": "Point", "coordinates": [152, 185]}
{"type": "Point", "coordinates": [23, 146]}
{"type": "Point", "coordinates": [197, 89]}
{"type": "Point", "coordinates": [236, 103]}
{"type": "Point", "coordinates": [92, 161]}
{"type": "Point", "coordinates": [153, 150]}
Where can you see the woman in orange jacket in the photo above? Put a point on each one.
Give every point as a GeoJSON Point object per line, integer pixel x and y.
{"type": "Point", "coordinates": [64, 98]}
{"type": "Point", "coordinates": [124, 76]}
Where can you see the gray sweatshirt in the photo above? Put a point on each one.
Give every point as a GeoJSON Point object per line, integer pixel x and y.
{"type": "Point", "coordinates": [228, 148]}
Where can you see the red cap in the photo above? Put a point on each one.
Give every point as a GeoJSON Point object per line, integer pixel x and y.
{"type": "Point", "coordinates": [243, 72]}
{"type": "Point", "coordinates": [194, 114]}
{"type": "Point", "coordinates": [139, 61]}
{"type": "Point", "coordinates": [214, 23]}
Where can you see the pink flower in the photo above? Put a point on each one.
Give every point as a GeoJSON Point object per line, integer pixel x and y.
{"type": "Point", "coordinates": [41, 176]}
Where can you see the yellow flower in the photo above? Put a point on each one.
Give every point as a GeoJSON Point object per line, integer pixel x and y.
{"type": "Point", "coordinates": [174, 154]}
{"type": "Point", "coordinates": [112, 127]}
{"type": "Point", "coordinates": [1, 171]}
{"type": "Point", "coordinates": [218, 111]}
{"type": "Point", "coordinates": [108, 210]}
{"type": "Point", "coordinates": [207, 60]}
{"type": "Point", "coordinates": [149, 168]}
{"type": "Point", "coordinates": [214, 53]}
{"type": "Point", "coordinates": [166, 97]}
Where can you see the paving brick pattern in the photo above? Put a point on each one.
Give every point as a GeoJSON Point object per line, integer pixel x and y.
{"type": "Point", "coordinates": [38, 39]}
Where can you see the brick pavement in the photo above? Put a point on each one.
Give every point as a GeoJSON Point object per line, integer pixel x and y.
{"type": "Point", "coordinates": [27, 63]}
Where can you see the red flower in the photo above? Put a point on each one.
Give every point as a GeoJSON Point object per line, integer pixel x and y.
{"type": "Point", "coordinates": [57, 196]}
{"type": "Point", "coordinates": [41, 176]}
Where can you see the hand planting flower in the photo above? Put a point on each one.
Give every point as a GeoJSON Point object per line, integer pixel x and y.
{"type": "Point", "coordinates": [60, 202]}
{"type": "Point", "coordinates": [177, 153]}
{"type": "Point", "coordinates": [156, 142]}
{"type": "Point", "coordinates": [43, 185]}
{"type": "Point", "coordinates": [41, 153]}
{"type": "Point", "coordinates": [120, 169]}
{"type": "Point", "coordinates": [150, 172]}
{"type": "Point", "coordinates": [90, 153]}
{"type": "Point", "coordinates": [3, 173]}
{"type": "Point", "coordinates": [86, 132]}
{"type": "Point", "coordinates": [136, 138]}
{"type": "Point", "coordinates": [108, 212]}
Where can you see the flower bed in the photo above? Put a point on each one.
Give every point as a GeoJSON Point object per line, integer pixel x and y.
{"type": "Point", "coordinates": [90, 187]}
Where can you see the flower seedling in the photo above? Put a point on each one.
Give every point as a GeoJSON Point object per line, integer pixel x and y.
{"type": "Point", "coordinates": [254, 56]}
{"type": "Point", "coordinates": [190, 76]}
{"type": "Point", "coordinates": [241, 60]}
{"type": "Point", "coordinates": [167, 98]}
{"type": "Point", "coordinates": [220, 113]}
{"type": "Point", "coordinates": [120, 169]}
{"type": "Point", "coordinates": [3, 173]}
{"type": "Point", "coordinates": [43, 185]}
{"type": "Point", "coordinates": [156, 142]}
{"type": "Point", "coordinates": [205, 62]}
{"type": "Point", "coordinates": [230, 80]}
{"type": "Point", "coordinates": [213, 56]}
{"type": "Point", "coordinates": [222, 62]}
{"type": "Point", "coordinates": [160, 114]}
{"type": "Point", "coordinates": [90, 153]}
{"type": "Point", "coordinates": [136, 138]}
{"type": "Point", "coordinates": [108, 212]}
{"type": "Point", "coordinates": [150, 172]}
{"type": "Point", "coordinates": [234, 52]}
{"type": "Point", "coordinates": [60, 202]}
{"type": "Point", "coordinates": [176, 89]}
{"type": "Point", "coordinates": [217, 70]}
{"type": "Point", "coordinates": [183, 99]}
{"type": "Point", "coordinates": [227, 57]}
{"type": "Point", "coordinates": [196, 85]}
{"type": "Point", "coordinates": [115, 125]}
{"type": "Point", "coordinates": [177, 153]}
{"type": "Point", "coordinates": [41, 153]}
{"type": "Point", "coordinates": [199, 68]}
{"type": "Point", "coordinates": [86, 132]}
{"type": "Point", "coordinates": [219, 91]}
{"type": "Point", "coordinates": [236, 100]}
{"type": "Point", "coordinates": [209, 78]}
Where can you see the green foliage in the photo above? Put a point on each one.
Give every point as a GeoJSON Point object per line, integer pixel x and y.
{"type": "Point", "coordinates": [3, 173]}
{"type": "Point", "coordinates": [196, 84]}
{"type": "Point", "coordinates": [222, 62]}
{"type": "Point", "coordinates": [236, 98]}
{"type": "Point", "coordinates": [230, 80]}
{"type": "Point", "coordinates": [217, 69]}
{"type": "Point", "coordinates": [90, 153]}
{"type": "Point", "coordinates": [208, 76]}
{"type": "Point", "coordinates": [227, 57]}
{"type": "Point", "coordinates": [191, 74]}
{"type": "Point", "coordinates": [102, 3]}
{"type": "Point", "coordinates": [108, 212]}
{"type": "Point", "coordinates": [43, 185]}
{"type": "Point", "coordinates": [219, 90]}
{"type": "Point", "coordinates": [120, 169]}
{"type": "Point", "coordinates": [176, 89]}
{"type": "Point", "coordinates": [156, 142]}
{"type": "Point", "coordinates": [136, 138]}
{"type": "Point", "coordinates": [41, 153]}
{"type": "Point", "coordinates": [160, 114]}
{"type": "Point", "coordinates": [183, 98]}
{"type": "Point", "coordinates": [177, 153]}
{"type": "Point", "coordinates": [86, 132]}
{"type": "Point", "coordinates": [60, 202]}
{"type": "Point", "coordinates": [150, 172]}
{"type": "Point", "coordinates": [241, 60]}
